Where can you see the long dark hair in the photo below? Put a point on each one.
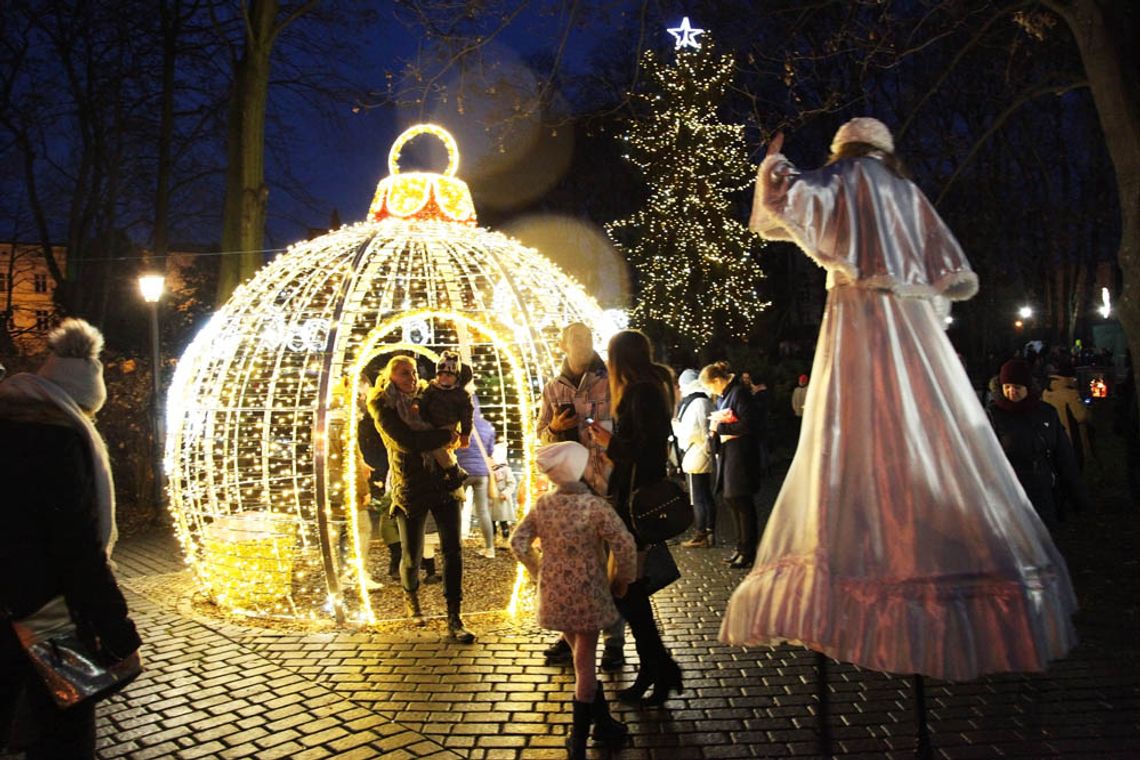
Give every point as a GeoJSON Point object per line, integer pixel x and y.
{"type": "Point", "coordinates": [629, 361]}
{"type": "Point", "coordinates": [861, 149]}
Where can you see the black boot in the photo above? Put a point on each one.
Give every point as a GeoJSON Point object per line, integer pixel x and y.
{"type": "Point", "coordinates": [412, 606]}
{"type": "Point", "coordinates": [667, 678]}
{"type": "Point", "coordinates": [395, 552]}
{"type": "Point", "coordinates": [634, 693]}
{"type": "Point", "coordinates": [580, 733]}
{"type": "Point", "coordinates": [635, 608]}
{"type": "Point", "coordinates": [455, 628]}
{"type": "Point", "coordinates": [606, 728]}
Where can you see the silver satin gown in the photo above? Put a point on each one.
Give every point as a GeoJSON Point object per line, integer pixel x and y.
{"type": "Point", "coordinates": [901, 540]}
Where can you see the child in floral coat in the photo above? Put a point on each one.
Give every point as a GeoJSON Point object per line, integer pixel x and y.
{"type": "Point", "coordinates": [575, 595]}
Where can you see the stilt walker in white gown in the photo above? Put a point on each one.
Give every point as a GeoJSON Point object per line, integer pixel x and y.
{"type": "Point", "coordinates": [901, 540]}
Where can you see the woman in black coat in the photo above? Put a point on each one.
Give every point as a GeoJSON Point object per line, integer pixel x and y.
{"type": "Point", "coordinates": [417, 488]}
{"type": "Point", "coordinates": [1035, 443]}
{"type": "Point", "coordinates": [733, 430]}
{"type": "Point", "coordinates": [641, 394]}
{"type": "Point", "coordinates": [58, 517]}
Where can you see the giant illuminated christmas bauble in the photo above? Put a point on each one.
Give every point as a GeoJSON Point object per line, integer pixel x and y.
{"type": "Point", "coordinates": [261, 432]}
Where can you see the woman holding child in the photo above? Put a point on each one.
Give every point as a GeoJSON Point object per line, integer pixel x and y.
{"type": "Point", "coordinates": [417, 487]}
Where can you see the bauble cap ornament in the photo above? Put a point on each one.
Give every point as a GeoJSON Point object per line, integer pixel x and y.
{"type": "Point", "coordinates": [423, 196]}
{"type": "Point", "coordinates": [864, 129]}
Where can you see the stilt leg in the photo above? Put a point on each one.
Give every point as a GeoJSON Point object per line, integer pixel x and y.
{"type": "Point", "coordinates": [922, 740]}
{"type": "Point", "coordinates": [823, 706]}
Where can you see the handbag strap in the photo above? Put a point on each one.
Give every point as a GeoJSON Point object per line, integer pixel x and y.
{"type": "Point", "coordinates": [629, 498]}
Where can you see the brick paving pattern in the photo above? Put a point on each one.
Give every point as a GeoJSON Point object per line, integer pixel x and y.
{"type": "Point", "coordinates": [229, 691]}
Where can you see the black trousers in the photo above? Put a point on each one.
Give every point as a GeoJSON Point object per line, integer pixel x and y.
{"type": "Point", "coordinates": [447, 518]}
{"type": "Point", "coordinates": [637, 611]}
{"type": "Point", "coordinates": [747, 533]}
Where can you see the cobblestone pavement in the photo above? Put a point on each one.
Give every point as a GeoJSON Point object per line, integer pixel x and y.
{"type": "Point", "coordinates": [224, 690]}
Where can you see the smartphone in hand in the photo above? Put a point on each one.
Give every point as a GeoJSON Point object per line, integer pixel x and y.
{"type": "Point", "coordinates": [567, 406]}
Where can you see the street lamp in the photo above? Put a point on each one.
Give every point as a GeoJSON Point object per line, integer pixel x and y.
{"type": "Point", "coordinates": [1025, 312]}
{"type": "Point", "coordinates": [151, 287]}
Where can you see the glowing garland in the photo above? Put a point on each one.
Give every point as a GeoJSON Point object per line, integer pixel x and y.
{"type": "Point", "coordinates": [693, 258]}
{"type": "Point", "coordinates": [260, 453]}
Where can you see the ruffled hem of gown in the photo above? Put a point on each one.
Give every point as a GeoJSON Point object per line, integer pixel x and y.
{"type": "Point", "coordinates": [952, 627]}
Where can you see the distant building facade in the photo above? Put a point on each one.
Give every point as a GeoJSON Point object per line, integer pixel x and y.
{"type": "Point", "coordinates": [27, 290]}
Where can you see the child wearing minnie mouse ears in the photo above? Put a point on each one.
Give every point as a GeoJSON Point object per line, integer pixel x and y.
{"type": "Point", "coordinates": [446, 403]}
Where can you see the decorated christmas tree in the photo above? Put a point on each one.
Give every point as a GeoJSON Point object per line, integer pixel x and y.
{"type": "Point", "coordinates": [697, 278]}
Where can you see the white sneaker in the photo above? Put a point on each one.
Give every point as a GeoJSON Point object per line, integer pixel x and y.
{"type": "Point", "coordinates": [371, 584]}
{"type": "Point", "coordinates": [488, 553]}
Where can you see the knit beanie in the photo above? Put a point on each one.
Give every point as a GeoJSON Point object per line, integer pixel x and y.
{"type": "Point", "coordinates": [449, 361]}
{"type": "Point", "coordinates": [689, 381]}
{"type": "Point", "coordinates": [563, 462]}
{"type": "Point", "coordinates": [74, 363]}
{"type": "Point", "coordinates": [1016, 372]}
{"type": "Point", "coordinates": [864, 130]}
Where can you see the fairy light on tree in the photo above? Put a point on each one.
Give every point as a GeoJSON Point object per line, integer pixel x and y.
{"type": "Point", "coordinates": [694, 260]}
{"type": "Point", "coordinates": [262, 410]}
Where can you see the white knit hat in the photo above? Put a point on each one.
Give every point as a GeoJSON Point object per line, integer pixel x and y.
{"type": "Point", "coordinates": [563, 462]}
{"type": "Point", "coordinates": [74, 363]}
{"type": "Point", "coordinates": [865, 130]}
{"type": "Point", "coordinates": [690, 381]}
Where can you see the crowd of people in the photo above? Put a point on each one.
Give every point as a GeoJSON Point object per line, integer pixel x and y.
{"type": "Point", "coordinates": [864, 565]}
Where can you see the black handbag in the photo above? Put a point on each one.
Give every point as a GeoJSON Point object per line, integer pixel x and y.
{"type": "Point", "coordinates": [659, 569]}
{"type": "Point", "coordinates": [68, 668]}
{"type": "Point", "coordinates": [659, 511]}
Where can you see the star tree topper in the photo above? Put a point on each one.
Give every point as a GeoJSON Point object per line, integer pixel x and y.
{"type": "Point", "coordinates": [686, 35]}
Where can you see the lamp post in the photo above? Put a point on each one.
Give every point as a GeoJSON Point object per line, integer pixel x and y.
{"type": "Point", "coordinates": [151, 286]}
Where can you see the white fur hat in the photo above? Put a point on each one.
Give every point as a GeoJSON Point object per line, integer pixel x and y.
{"type": "Point", "coordinates": [74, 363]}
{"type": "Point", "coordinates": [563, 462]}
{"type": "Point", "coordinates": [865, 130]}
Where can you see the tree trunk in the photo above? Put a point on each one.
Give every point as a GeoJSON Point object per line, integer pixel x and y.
{"type": "Point", "coordinates": [169, 12]}
{"type": "Point", "coordinates": [244, 212]}
{"type": "Point", "coordinates": [1101, 41]}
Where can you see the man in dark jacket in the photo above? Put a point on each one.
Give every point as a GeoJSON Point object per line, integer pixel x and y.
{"type": "Point", "coordinates": [1035, 443]}
{"type": "Point", "coordinates": [579, 393]}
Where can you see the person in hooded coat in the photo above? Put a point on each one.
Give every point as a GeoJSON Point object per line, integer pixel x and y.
{"type": "Point", "coordinates": [58, 513]}
{"type": "Point", "coordinates": [691, 434]}
{"type": "Point", "coordinates": [1034, 440]}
